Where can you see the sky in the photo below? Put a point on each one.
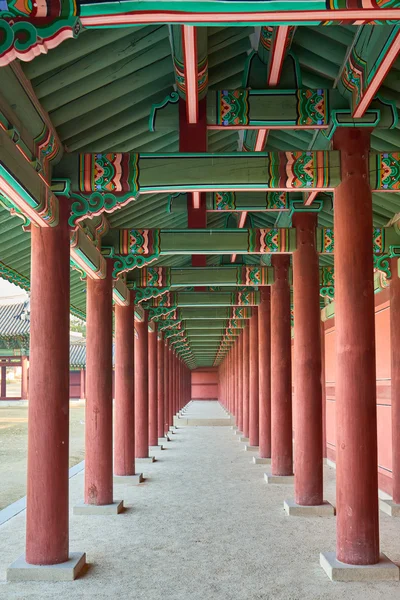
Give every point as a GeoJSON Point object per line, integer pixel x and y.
{"type": "Point", "coordinates": [9, 291]}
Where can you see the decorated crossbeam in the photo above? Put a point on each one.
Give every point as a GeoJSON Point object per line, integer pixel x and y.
{"type": "Point", "coordinates": [246, 109]}
{"type": "Point", "coordinates": [201, 299]}
{"type": "Point", "coordinates": [123, 173]}
{"type": "Point", "coordinates": [248, 201]}
{"type": "Point", "coordinates": [201, 314]}
{"type": "Point", "coordinates": [162, 277]}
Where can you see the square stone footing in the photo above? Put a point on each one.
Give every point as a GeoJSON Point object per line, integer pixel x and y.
{"type": "Point", "coordinates": [155, 448]}
{"type": "Point", "coordinates": [237, 432]}
{"type": "Point", "coordinates": [384, 570]}
{"type": "Point", "coordinates": [390, 508]}
{"type": "Point", "coordinates": [234, 427]}
{"type": "Point", "coordinates": [261, 461]}
{"type": "Point", "coordinates": [129, 479]}
{"type": "Point", "coordinates": [297, 510]}
{"type": "Point", "coordinates": [99, 509]}
{"type": "Point", "coordinates": [248, 448]}
{"type": "Point", "coordinates": [164, 440]}
{"type": "Point", "coordinates": [243, 439]}
{"type": "Point", "coordinates": [20, 570]}
{"type": "Point", "coordinates": [282, 479]}
{"type": "Point", "coordinates": [147, 459]}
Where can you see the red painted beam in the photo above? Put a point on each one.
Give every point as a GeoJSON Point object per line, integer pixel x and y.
{"type": "Point", "coordinates": [278, 53]}
{"type": "Point", "coordinates": [189, 43]}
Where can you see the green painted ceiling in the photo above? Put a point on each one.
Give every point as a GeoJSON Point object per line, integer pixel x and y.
{"type": "Point", "coordinates": [98, 90]}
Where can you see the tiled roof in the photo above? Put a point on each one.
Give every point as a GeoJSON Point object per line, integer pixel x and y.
{"type": "Point", "coordinates": [14, 320]}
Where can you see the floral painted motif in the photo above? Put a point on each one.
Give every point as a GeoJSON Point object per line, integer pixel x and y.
{"type": "Point", "coordinates": [312, 107]}
{"type": "Point", "coordinates": [233, 107]}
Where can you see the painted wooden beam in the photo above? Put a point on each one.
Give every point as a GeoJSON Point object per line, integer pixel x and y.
{"type": "Point", "coordinates": [366, 65]}
{"type": "Point", "coordinates": [205, 299]}
{"type": "Point", "coordinates": [86, 255]}
{"type": "Point", "coordinates": [124, 173]}
{"type": "Point", "coordinates": [222, 12]}
{"type": "Point", "coordinates": [161, 277]}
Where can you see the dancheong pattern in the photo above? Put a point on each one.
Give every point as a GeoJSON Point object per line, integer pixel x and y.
{"type": "Point", "coordinates": [378, 240]}
{"type": "Point", "coordinates": [252, 276]}
{"type": "Point", "coordinates": [233, 107]}
{"type": "Point", "coordinates": [139, 241]}
{"type": "Point", "coordinates": [28, 28]}
{"type": "Point", "coordinates": [269, 240]}
{"type": "Point", "coordinates": [154, 277]}
{"type": "Point", "coordinates": [114, 172]}
{"type": "Point", "coordinates": [202, 77]}
{"type": "Point", "coordinates": [354, 76]}
{"type": "Point", "coordinates": [224, 201]}
{"type": "Point", "coordinates": [387, 171]}
{"type": "Point", "coordinates": [312, 107]}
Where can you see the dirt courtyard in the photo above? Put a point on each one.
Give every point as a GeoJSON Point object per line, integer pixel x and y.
{"type": "Point", "coordinates": [13, 448]}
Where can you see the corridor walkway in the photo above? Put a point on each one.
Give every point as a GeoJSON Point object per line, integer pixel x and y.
{"type": "Point", "coordinates": [203, 526]}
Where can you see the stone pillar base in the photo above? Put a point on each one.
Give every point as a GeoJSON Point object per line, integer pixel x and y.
{"type": "Point", "coordinates": [243, 439]}
{"type": "Point", "coordinates": [248, 448]}
{"type": "Point", "coordinates": [155, 448]}
{"type": "Point", "coordinates": [282, 479]}
{"type": "Point", "coordinates": [390, 508]}
{"type": "Point", "coordinates": [298, 510]}
{"type": "Point", "coordinates": [234, 427]}
{"type": "Point", "coordinates": [384, 570]}
{"type": "Point", "coordinates": [20, 570]}
{"type": "Point", "coordinates": [99, 509]}
{"type": "Point", "coordinates": [129, 479]}
{"type": "Point", "coordinates": [163, 440]}
{"type": "Point", "coordinates": [237, 432]}
{"type": "Point", "coordinates": [146, 459]}
{"type": "Point", "coordinates": [261, 461]}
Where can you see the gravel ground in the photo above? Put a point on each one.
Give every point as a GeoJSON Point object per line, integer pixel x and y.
{"type": "Point", "coordinates": [203, 526]}
{"type": "Point", "coordinates": [13, 444]}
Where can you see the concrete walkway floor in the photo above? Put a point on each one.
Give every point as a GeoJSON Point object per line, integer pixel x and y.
{"type": "Point", "coordinates": [203, 526]}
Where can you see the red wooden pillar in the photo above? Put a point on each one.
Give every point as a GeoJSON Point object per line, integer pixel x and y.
{"type": "Point", "coordinates": [160, 385]}
{"type": "Point", "coordinates": [356, 426]}
{"type": "Point", "coordinates": [141, 389]}
{"type": "Point", "coordinates": [240, 381]}
{"type": "Point", "coordinates": [47, 531]}
{"type": "Point", "coordinates": [99, 409]}
{"type": "Point", "coordinates": [152, 358]}
{"type": "Point", "coordinates": [308, 482]}
{"type": "Point", "coordinates": [281, 372]}
{"type": "Point", "coordinates": [253, 381]}
{"type": "Point", "coordinates": [24, 378]}
{"type": "Point", "coordinates": [166, 387]}
{"type": "Point", "coordinates": [3, 388]}
{"type": "Point", "coordinates": [234, 380]}
{"type": "Point", "coordinates": [124, 408]}
{"type": "Point", "coordinates": [82, 391]}
{"type": "Point", "coordinates": [170, 387]}
{"type": "Point", "coordinates": [264, 371]}
{"type": "Point", "coordinates": [245, 390]}
{"type": "Point", "coordinates": [395, 375]}
{"type": "Point", "coordinates": [323, 385]}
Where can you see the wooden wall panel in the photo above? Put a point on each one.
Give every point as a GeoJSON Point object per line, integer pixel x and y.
{"type": "Point", "coordinates": [205, 384]}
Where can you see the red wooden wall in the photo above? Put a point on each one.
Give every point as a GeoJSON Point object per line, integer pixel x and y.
{"type": "Point", "coordinates": [382, 325]}
{"type": "Point", "coordinates": [205, 383]}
